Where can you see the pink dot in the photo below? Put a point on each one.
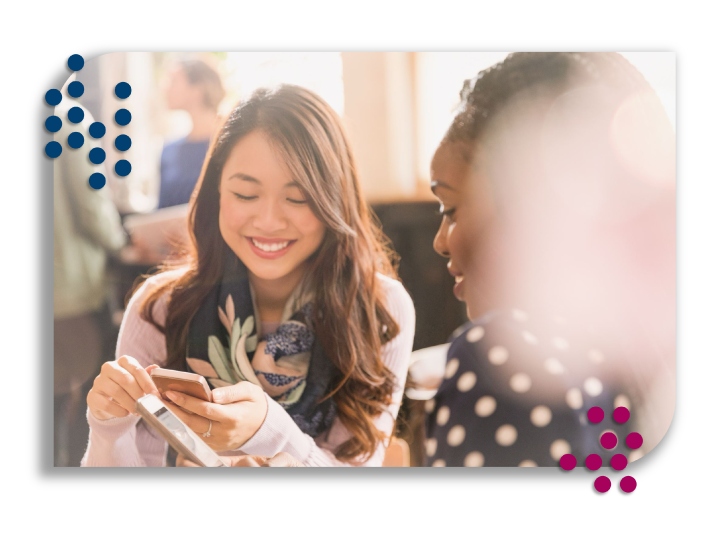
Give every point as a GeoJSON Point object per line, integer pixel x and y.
{"type": "Point", "coordinates": [628, 484]}
{"type": "Point", "coordinates": [619, 462]}
{"type": "Point", "coordinates": [567, 462]}
{"type": "Point", "coordinates": [595, 415]}
{"type": "Point", "coordinates": [609, 440]}
{"type": "Point", "coordinates": [634, 441]}
{"type": "Point", "coordinates": [602, 484]}
{"type": "Point", "coordinates": [621, 415]}
{"type": "Point", "coordinates": [593, 462]}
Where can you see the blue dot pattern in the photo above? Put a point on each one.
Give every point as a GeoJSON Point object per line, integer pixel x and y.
{"type": "Point", "coordinates": [122, 168]}
{"type": "Point", "coordinates": [53, 149]}
{"type": "Point", "coordinates": [122, 143]}
{"type": "Point", "coordinates": [97, 130]}
{"type": "Point", "coordinates": [75, 140]}
{"type": "Point", "coordinates": [75, 115]}
{"type": "Point", "coordinates": [53, 97]}
{"type": "Point", "coordinates": [75, 89]}
{"type": "Point", "coordinates": [75, 62]}
{"type": "Point", "coordinates": [53, 123]}
{"type": "Point", "coordinates": [122, 117]}
{"type": "Point", "coordinates": [97, 181]}
{"type": "Point", "coordinates": [97, 155]}
{"type": "Point", "coordinates": [122, 90]}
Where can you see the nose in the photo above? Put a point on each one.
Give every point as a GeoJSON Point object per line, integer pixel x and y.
{"type": "Point", "coordinates": [270, 218]}
{"type": "Point", "coordinates": [440, 241]}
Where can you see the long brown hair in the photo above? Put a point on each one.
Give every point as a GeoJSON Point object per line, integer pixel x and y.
{"type": "Point", "coordinates": [353, 322]}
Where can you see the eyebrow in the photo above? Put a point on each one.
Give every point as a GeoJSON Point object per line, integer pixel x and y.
{"type": "Point", "coordinates": [435, 184]}
{"type": "Point", "coordinates": [248, 178]}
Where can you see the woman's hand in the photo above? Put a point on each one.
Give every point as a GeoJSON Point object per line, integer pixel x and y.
{"type": "Point", "coordinates": [281, 460]}
{"type": "Point", "coordinates": [237, 412]}
{"type": "Point", "coordinates": [118, 386]}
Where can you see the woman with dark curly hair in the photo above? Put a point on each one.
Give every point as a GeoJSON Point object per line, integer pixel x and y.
{"type": "Point", "coordinates": [556, 180]}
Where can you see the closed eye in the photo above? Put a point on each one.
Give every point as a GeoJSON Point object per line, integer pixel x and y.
{"type": "Point", "coordinates": [295, 201]}
{"type": "Point", "coordinates": [245, 197]}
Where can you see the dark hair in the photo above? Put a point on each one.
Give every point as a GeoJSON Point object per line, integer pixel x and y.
{"type": "Point", "coordinates": [355, 322]}
{"type": "Point", "coordinates": [201, 73]}
{"type": "Point", "coordinates": [551, 72]}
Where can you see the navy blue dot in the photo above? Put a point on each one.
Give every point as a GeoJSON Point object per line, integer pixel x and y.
{"type": "Point", "coordinates": [97, 130]}
{"type": "Point", "coordinates": [122, 143]}
{"type": "Point", "coordinates": [122, 167]}
{"type": "Point", "coordinates": [122, 117]}
{"type": "Point", "coordinates": [97, 155]}
{"type": "Point", "coordinates": [53, 123]}
{"type": "Point", "coordinates": [75, 89]}
{"type": "Point", "coordinates": [53, 97]}
{"type": "Point", "coordinates": [53, 149]}
{"type": "Point", "coordinates": [122, 90]}
{"type": "Point", "coordinates": [97, 181]}
{"type": "Point", "coordinates": [75, 140]}
{"type": "Point", "coordinates": [75, 115]}
{"type": "Point", "coordinates": [75, 62]}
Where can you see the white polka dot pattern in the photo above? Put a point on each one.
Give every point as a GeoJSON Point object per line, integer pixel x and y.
{"type": "Point", "coordinates": [498, 355]}
{"type": "Point", "coordinates": [562, 344]}
{"type": "Point", "coordinates": [466, 381]}
{"type": "Point", "coordinates": [519, 315]}
{"type": "Point", "coordinates": [431, 446]}
{"type": "Point", "coordinates": [443, 415]}
{"type": "Point", "coordinates": [622, 401]}
{"type": "Point", "coordinates": [553, 366]}
{"type": "Point", "coordinates": [474, 459]}
{"type": "Point", "coordinates": [456, 436]}
{"type": "Point", "coordinates": [574, 398]}
{"type": "Point", "coordinates": [596, 356]}
{"type": "Point", "coordinates": [530, 338]}
{"type": "Point", "coordinates": [541, 416]}
{"type": "Point", "coordinates": [485, 406]}
{"type": "Point", "coordinates": [506, 435]}
{"type": "Point", "coordinates": [439, 463]}
{"type": "Point", "coordinates": [430, 406]}
{"type": "Point", "coordinates": [528, 463]}
{"type": "Point", "coordinates": [451, 368]}
{"type": "Point", "coordinates": [559, 448]}
{"type": "Point", "coordinates": [593, 386]}
{"type": "Point", "coordinates": [475, 334]}
{"type": "Point", "coordinates": [520, 382]}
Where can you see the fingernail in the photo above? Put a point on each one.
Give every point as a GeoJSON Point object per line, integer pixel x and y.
{"type": "Point", "coordinates": [172, 395]}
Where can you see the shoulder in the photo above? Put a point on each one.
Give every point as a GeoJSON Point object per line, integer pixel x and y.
{"type": "Point", "coordinates": [398, 300]}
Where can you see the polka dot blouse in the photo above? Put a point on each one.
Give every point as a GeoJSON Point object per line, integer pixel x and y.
{"type": "Point", "coordinates": [516, 393]}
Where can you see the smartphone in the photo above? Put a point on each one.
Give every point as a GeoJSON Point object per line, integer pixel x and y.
{"type": "Point", "coordinates": [176, 433]}
{"type": "Point", "coordinates": [192, 384]}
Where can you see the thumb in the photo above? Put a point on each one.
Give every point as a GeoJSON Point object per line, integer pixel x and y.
{"type": "Point", "coordinates": [242, 391]}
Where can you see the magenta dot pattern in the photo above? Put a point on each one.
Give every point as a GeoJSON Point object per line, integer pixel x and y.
{"type": "Point", "coordinates": [609, 441]}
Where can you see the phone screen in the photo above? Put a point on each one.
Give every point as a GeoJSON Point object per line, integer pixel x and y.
{"type": "Point", "coordinates": [179, 430]}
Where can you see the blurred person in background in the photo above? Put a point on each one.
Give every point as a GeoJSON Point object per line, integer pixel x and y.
{"type": "Point", "coordinates": [87, 229]}
{"type": "Point", "coordinates": [556, 182]}
{"type": "Point", "coordinates": [196, 87]}
{"type": "Point", "coordinates": [286, 302]}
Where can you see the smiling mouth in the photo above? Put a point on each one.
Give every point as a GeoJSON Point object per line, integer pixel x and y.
{"type": "Point", "coordinates": [271, 247]}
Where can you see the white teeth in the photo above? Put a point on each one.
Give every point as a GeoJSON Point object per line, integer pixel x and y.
{"type": "Point", "coordinates": [459, 278]}
{"type": "Point", "coordinates": [270, 247]}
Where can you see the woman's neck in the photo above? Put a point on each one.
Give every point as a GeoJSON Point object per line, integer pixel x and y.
{"type": "Point", "coordinates": [204, 121]}
{"type": "Point", "coordinates": [272, 295]}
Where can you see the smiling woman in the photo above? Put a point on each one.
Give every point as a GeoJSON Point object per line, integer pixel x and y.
{"type": "Point", "coordinates": [286, 303]}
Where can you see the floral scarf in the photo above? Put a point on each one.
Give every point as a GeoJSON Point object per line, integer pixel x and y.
{"type": "Point", "coordinates": [225, 345]}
